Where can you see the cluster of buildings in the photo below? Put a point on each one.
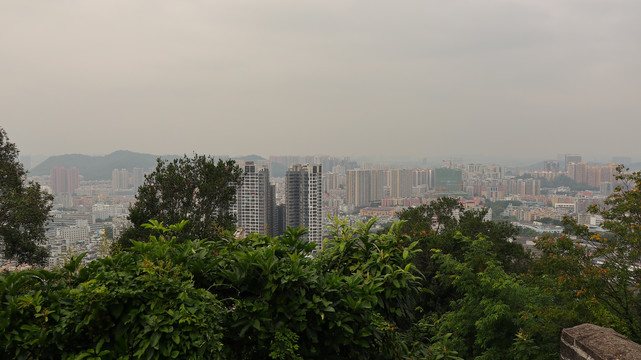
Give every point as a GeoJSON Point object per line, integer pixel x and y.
{"type": "Point", "coordinates": [88, 212]}
{"type": "Point", "coordinates": [257, 210]}
{"type": "Point", "coordinates": [580, 171]}
{"type": "Point", "coordinates": [123, 180]}
{"type": "Point", "coordinates": [64, 180]}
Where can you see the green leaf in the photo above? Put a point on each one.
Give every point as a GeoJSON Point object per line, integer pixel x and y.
{"type": "Point", "coordinates": [154, 340]}
{"type": "Point", "coordinates": [116, 310]}
{"type": "Point", "coordinates": [99, 345]}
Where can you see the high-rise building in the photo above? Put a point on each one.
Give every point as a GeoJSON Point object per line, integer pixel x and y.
{"type": "Point", "coordinates": [609, 173]}
{"type": "Point", "coordinates": [422, 177]}
{"type": "Point", "coordinates": [400, 183]}
{"type": "Point", "coordinates": [120, 179]}
{"type": "Point", "coordinates": [279, 223]}
{"type": "Point", "coordinates": [303, 188]}
{"type": "Point", "coordinates": [376, 185]}
{"type": "Point", "coordinates": [139, 177]}
{"type": "Point", "coordinates": [274, 227]}
{"type": "Point", "coordinates": [254, 200]}
{"type": "Point", "coordinates": [64, 181]}
{"type": "Point", "coordinates": [358, 187]}
{"type": "Point", "coordinates": [447, 180]}
{"type": "Point", "coordinates": [551, 165]}
{"type": "Point", "coordinates": [365, 186]}
{"type": "Point", "coordinates": [522, 187]}
{"type": "Point", "coordinates": [571, 159]}
{"type": "Point", "coordinates": [578, 172]}
{"type": "Point", "coordinates": [58, 180]}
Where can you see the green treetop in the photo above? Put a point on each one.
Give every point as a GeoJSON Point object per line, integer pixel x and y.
{"type": "Point", "coordinates": [197, 189]}
{"type": "Point", "coordinates": [24, 209]}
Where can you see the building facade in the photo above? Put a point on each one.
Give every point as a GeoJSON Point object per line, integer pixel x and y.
{"type": "Point", "coordinates": [365, 186]}
{"type": "Point", "coordinates": [303, 187]}
{"type": "Point", "coordinates": [447, 180]}
{"type": "Point", "coordinates": [400, 183]}
{"type": "Point", "coordinates": [254, 200]}
{"type": "Point", "coordinates": [64, 181]}
{"type": "Point", "coordinates": [571, 159]}
{"type": "Point", "coordinates": [120, 179]}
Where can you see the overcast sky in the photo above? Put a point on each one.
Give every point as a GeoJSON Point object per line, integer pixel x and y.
{"type": "Point", "coordinates": [531, 78]}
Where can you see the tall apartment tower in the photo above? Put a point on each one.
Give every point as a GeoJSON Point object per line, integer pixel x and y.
{"type": "Point", "coordinates": [400, 184]}
{"type": "Point", "coordinates": [578, 172]}
{"type": "Point", "coordinates": [120, 179]}
{"type": "Point", "coordinates": [64, 180]}
{"type": "Point", "coordinates": [364, 186]}
{"type": "Point", "coordinates": [254, 200]}
{"type": "Point", "coordinates": [571, 159]}
{"type": "Point", "coordinates": [139, 177]}
{"type": "Point", "coordinates": [358, 183]}
{"type": "Point", "coordinates": [551, 165]}
{"type": "Point", "coordinates": [448, 180]}
{"type": "Point", "coordinates": [303, 189]}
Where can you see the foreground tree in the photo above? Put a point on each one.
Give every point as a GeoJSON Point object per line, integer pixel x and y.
{"type": "Point", "coordinates": [24, 209]}
{"type": "Point", "coordinates": [439, 225]}
{"type": "Point", "coordinates": [611, 271]}
{"type": "Point", "coordinates": [197, 189]}
{"type": "Point", "coordinates": [497, 315]}
{"type": "Point", "coordinates": [252, 298]}
{"type": "Point", "coordinates": [138, 304]}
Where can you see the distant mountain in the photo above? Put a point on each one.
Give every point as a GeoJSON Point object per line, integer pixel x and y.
{"type": "Point", "coordinates": [99, 167]}
{"type": "Point", "coordinates": [254, 158]}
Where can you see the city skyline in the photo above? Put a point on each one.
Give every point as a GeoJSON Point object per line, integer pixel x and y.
{"type": "Point", "coordinates": [528, 79]}
{"type": "Point", "coordinates": [40, 165]}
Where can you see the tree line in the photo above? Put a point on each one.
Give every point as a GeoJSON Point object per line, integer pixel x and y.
{"type": "Point", "coordinates": [441, 283]}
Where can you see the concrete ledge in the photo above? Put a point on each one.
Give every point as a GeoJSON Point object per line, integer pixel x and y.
{"type": "Point", "coordinates": [591, 342]}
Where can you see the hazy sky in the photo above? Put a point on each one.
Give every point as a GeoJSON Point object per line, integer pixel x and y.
{"type": "Point", "coordinates": [528, 78]}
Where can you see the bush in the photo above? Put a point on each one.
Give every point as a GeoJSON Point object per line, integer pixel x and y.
{"type": "Point", "coordinates": [137, 304]}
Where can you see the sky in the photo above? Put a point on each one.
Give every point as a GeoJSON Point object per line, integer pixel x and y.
{"type": "Point", "coordinates": [419, 78]}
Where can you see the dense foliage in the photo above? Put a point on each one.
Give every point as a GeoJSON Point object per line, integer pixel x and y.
{"type": "Point", "coordinates": [137, 304]}
{"type": "Point", "coordinates": [610, 273]}
{"type": "Point", "coordinates": [257, 297]}
{"type": "Point", "coordinates": [199, 189]}
{"type": "Point", "coordinates": [24, 209]}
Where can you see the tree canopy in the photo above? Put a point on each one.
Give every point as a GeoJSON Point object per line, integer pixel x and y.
{"type": "Point", "coordinates": [253, 298]}
{"type": "Point", "coordinates": [455, 289]}
{"type": "Point", "coordinates": [610, 266]}
{"type": "Point", "coordinates": [24, 209]}
{"type": "Point", "coordinates": [197, 189]}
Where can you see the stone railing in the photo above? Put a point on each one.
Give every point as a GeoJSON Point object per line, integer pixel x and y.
{"type": "Point", "coordinates": [591, 342]}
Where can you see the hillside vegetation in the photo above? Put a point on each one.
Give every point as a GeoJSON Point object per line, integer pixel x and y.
{"type": "Point", "coordinates": [100, 167]}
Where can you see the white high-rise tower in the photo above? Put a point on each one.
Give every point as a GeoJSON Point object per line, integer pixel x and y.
{"type": "Point", "coordinates": [253, 200]}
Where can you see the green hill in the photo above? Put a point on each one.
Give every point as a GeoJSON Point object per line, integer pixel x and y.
{"type": "Point", "coordinates": [100, 167]}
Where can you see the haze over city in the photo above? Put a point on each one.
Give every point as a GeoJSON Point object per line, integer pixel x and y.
{"type": "Point", "coordinates": [524, 79]}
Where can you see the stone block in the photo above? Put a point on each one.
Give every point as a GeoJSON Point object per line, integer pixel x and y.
{"type": "Point", "coordinates": [592, 342]}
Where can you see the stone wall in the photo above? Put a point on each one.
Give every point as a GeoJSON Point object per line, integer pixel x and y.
{"type": "Point", "coordinates": [591, 342]}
